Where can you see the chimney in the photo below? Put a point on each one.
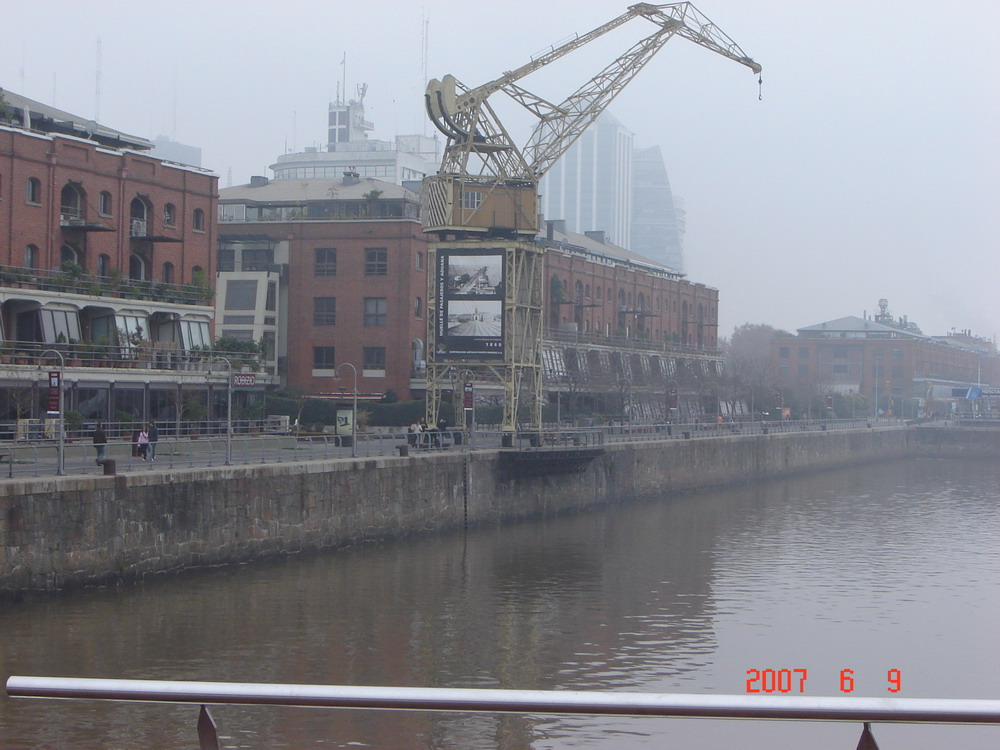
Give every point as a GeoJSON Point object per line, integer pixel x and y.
{"type": "Point", "coordinates": [258, 180]}
{"type": "Point", "coordinates": [597, 235]}
{"type": "Point", "coordinates": [554, 225]}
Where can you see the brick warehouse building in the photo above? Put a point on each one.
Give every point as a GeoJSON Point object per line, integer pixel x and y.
{"type": "Point", "coordinates": [624, 333]}
{"type": "Point", "coordinates": [350, 258]}
{"type": "Point", "coordinates": [348, 262]}
{"type": "Point", "coordinates": [887, 360]}
{"type": "Point", "coordinates": [107, 258]}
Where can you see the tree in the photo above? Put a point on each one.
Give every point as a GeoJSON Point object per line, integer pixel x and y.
{"type": "Point", "coordinates": [750, 362]}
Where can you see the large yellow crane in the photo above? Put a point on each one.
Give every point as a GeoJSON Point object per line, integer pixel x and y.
{"type": "Point", "coordinates": [483, 202]}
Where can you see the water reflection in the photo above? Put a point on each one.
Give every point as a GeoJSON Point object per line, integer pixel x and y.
{"type": "Point", "coordinates": [872, 569]}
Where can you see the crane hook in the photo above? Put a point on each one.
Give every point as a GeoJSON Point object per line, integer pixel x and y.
{"type": "Point", "coordinates": [760, 88]}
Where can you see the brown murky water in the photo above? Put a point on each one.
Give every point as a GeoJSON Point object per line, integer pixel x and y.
{"type": "Point", "coordinates": [876, 569]}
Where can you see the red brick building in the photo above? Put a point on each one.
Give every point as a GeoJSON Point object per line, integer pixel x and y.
{"type": "Point", "coordinates": [887, 361]}
{"type": "Point", "coordinates": [353, 284]}
{"type": "Point", "coordinates": [107, 255]}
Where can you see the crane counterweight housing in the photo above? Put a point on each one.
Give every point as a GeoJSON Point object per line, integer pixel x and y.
{"type": "Point", "coordinates": [487, 184]}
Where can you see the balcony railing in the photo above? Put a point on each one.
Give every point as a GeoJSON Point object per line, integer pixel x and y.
{"type": "Point", "coordinates": [623, 342]}
{"type": "Point", "coordinates": [137, 228]}
{"type": "Point", "coordinates": [103, 286]}
{"type": "Point", "coordinates": [149, 355]}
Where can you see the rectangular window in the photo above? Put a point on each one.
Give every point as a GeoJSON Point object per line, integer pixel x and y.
{"type": "Point", "coordinates": [840, 370]}
{"type": "Point", "coordinates": [897, 354]}
{"type": "Point", "coordinates": [373, 360]}
{"type": "Point", "coordinates": [803, 352]}
{"type": "Point", "coordinates": [803, 370]}
{"type": "Point", "coordinates": [375, 311]}
{"type": "Point", "coordinates": [784, 352]}
{"type": "Point", "coordinates": [323, 358]}
{"type": "Point", "coordinates": [324, 311]}
{"type": "Point", "coordinates": [271, 303]}
{"type": "Point", "coordinates": [376, 261]}
{"type": "Point", "coordinates": [227, 259]}
{"type": "Point", "coordinates": [237, 320]}
{"type": "Point", "coordinates": [326, 261]}
{"type": "Point", "coordinates": [840, 352]}
{"type": "Point", "coordinates": [471, 199]}
{"type": "Point", "coordinates": [241, 295]}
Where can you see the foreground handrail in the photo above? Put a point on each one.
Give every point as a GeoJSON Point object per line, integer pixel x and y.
{"type": "Point", "coordinates": [902, 710]}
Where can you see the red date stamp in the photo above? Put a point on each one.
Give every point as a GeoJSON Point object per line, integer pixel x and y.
{"type": "Point", "coordinates": [794, 680]}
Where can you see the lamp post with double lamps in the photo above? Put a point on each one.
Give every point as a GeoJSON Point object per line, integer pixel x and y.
{"type": "Point", "coordinates": [61, 465]}
{"type": "Point", "coordinates": [354, 407]}
{"type": "Point", "coordinates": [229, 408]}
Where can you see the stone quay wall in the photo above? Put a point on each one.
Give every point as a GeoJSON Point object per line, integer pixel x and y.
{"type": "Point", "coordinates": [61, 533]}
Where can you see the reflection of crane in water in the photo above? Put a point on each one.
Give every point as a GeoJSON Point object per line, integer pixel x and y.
{"type": "Point", "coordinates": [478, 282]}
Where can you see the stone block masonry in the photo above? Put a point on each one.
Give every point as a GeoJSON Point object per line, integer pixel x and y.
{"type": "Point", "coordinates": [66, 532]}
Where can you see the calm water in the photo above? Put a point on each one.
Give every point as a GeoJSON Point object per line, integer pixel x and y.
{"type": "Point", "coordinates": [895, 567]}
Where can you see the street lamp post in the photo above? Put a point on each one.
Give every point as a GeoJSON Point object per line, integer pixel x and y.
{"type": "Point", "coordinates": [354, 408]}
{"type": "Point", "coordinates": [229, 409]}
{"type": "Point", "coordinates": [61, 466]}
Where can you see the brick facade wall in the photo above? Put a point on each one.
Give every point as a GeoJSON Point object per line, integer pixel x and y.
{"type": "Point", "coordinates": [57, 161]}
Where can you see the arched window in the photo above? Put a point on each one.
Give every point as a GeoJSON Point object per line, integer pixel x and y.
{"type": "Point", "coordinates": [418, 308]}
{"type": "Point", "coordinates": [71, 202]}
{"type": "Point", "coordinates": [68, 254]}
{"type": "Point", "coordinates": [104, 205]}
{"type": "Point", "coordinates": [31, 256]}
{"type": "Point", "coordinates": [103, 265]}
{"type": "Point", "coordinates": [199, 220]}
{"type": "Point", "coordinates": [136, 268]}
{"type": "Point", "coordinates": [169, 215]}
{"type": "Point", "coordinates": [578, 291]}
{"type": "Point", "coordinates": [139, 213]}
{"type": "Point", "coordinates": [34, 191]}
{"type": "Point", "coordinates": [168, 273]}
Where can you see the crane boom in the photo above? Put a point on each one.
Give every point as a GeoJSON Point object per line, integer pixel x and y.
{"type": "Point", "coordinates": [478, 144]}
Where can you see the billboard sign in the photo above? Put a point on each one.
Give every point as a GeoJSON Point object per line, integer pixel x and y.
{"type": "Point", "coordinates": [469, 286]}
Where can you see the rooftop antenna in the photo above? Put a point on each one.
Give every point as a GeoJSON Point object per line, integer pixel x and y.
{"type": "Point", "coordinates": [343, 64]}
{"type": "Point", "coordinates": [423, 58]}
{"type": "Point", "coordinates": [97, 92]}
{"type": "Point", "coordinates": [361, 89]}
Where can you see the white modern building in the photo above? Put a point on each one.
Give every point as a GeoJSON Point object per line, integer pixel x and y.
{"type": "Point", "coordinates": [349, 149]}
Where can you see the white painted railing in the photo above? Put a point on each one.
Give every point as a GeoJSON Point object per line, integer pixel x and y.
{"type": "Point", "coordinates": [866, 710]}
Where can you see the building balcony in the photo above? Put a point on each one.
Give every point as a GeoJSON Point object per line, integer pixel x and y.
{"type": "Point", "coordinates": [580, 338]}
{"type": "Point", "coordinates": [102, 286]}
{"type": "Point", "coordinates": [167, 359]}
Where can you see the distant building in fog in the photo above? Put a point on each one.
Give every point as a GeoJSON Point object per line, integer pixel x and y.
{"type": "Point", "coordinates": [168, 150]}
{"type": "Point", "coordinates": [590, 187]}
{"type": "Point", "coordinates": [603, 184]}
{"type": "Point", "coordinates": [657, 216]}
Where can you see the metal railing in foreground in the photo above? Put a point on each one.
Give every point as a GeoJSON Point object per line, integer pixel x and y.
{"type": "Point", "coordinates": [866, 710]}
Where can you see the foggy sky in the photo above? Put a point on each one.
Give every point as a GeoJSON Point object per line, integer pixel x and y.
{"type": "Point", "coordinates": [870, 169]}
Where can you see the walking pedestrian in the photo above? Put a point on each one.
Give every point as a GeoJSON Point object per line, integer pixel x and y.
{"type": "Point", "coordinates": [142, 443]}
{"type": "Point", "coordinates": [100, 442]}
{"type": "Point", "coordinates": [154, 437]}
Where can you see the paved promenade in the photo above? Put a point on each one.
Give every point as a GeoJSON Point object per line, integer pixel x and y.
{"type": "Point", "coordinates": [40, 458]}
